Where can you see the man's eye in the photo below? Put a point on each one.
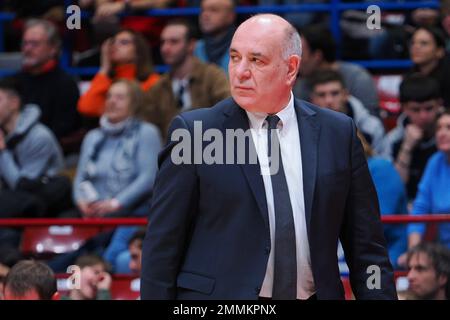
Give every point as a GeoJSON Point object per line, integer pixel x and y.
{"type": "Point", "coordinates": [257, 61]}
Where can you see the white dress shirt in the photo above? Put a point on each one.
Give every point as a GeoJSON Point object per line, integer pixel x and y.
{"type": "Point", "coordinates": [292, 163]}
{"type": "Point", "coordinates": [186, 97]}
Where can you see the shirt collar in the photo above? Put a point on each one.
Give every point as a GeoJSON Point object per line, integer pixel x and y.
{"type": "Point", "coordinates": [287, 115]}
{"type": "Point", "coordinates": [177, 83]}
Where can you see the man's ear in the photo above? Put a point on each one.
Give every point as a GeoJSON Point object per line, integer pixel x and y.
{"type": "Point", "coordinates": [191, 45]}
{"type": "Point", "coordinates": [15, 101]}
{"type": "Point", "coordinates": [346, 93]}
{"type": "Point", "coordinates": [440, 53]}
{"type": "Point", "coordinates": [293, 68]}
{"type": "Point", "coordinates": [442, 279]}
{"type": "Point", "coordinates": [54, 52]}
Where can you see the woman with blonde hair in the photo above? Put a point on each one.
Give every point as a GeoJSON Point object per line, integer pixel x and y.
{"type": "Point", "coordinates": [118, 161]}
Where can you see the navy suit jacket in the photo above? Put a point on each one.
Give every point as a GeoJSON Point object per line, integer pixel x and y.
{"type": "Point", "coordinates": [208, 234]}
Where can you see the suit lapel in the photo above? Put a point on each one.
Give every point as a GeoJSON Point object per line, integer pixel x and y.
{"type": "Point", "coordinates": [237, 119]}
{"type": "Point", "coordinates": [309, 140]}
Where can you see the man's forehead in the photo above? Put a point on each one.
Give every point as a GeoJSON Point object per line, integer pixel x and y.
{"type": "Point", "coordinates": [174, 31]}
{"type": "Point", "coordinates": [427, 103]}
{"type": "Point", "coordinates": [420, 259]}
{"type": "Point", "coordinates": [330, 85]}
{"type": "Point", "coordinates": [217, 3]}
{"type": "Point", "coordinates": [172, 37]}
{"type": "Point", "coordinates": [36, 31]}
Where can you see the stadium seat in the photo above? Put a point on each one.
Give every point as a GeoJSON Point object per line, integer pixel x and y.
{"type": "Point", "coordinates": [125, 287]}
{"type": "Point", "coordinates": [50, 240]}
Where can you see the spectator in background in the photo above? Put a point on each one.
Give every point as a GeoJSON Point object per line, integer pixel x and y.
{"type": "Point", "coordinates": [117, 163]}
{"type": "Point", "coordinates": [52, 10]}
{"type": "Point", "coordinates": [411, 143]}
{"type": "Point", "coordinates": [427, 52]}
{"type": "Point", "coordinates": [189, 83]}
{"type": "Point", "coordinates": [328, 91]}
{"type": "Point", "coordinates": [95, 281]}
{"type": "Point", "coordinates": [319, 52]}
{"type": "Point", "coordinates": [9, 256]}
{"type": "Point", "coordinates": [30, 280]}
{"type": "Point", "coordinates": [217, 18]}
{"type": "Point", "coordinates": [135, 250]}
{"type": "Point", "coordinates": [29, 154]}
{"type": "Point", "coordinates": [116, 170]}
{"type": "Point", "coordinates": [124, 56]}
{"type": "Point", "coordinates": [429, 272]}
{"type": "Point", "coordinates": [129, 260]}
{"type": "Point", "coordinates": [392, 199]}
{"type": "Point", "coordinates": [130, 14]}
{"type": "Point", "coordinates": [433, 196]}
{"type": "Point", "coordinates": [47, 85]}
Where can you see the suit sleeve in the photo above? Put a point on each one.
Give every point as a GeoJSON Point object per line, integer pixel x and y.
{"type": "Point", "coordinates": [362, 238]}
{"type": "Point", "coordinates": [174, 205]}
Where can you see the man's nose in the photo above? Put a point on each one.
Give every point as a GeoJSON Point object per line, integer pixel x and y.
{"type": "Point", "coordinates": [164, 47]}
{"type": "Point", "coordinates": [411, 275]}
{"type": "Point", "coordinates": [242, 70]}
{"type": "Point", "coordinates": [329, 100]}
{"type": "Point", "coordinates": [26, 48]}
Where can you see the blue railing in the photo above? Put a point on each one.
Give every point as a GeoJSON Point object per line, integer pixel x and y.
{"type": "Point", "coordinates": [334, 8]}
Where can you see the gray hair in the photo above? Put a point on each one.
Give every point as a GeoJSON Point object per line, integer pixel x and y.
{"type": "Point", "coordinates": [50, 29]}
{"type": "Point", "coordinates": [293, 44]}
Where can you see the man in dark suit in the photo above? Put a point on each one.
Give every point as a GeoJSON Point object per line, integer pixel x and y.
{"type": "Point", "coordinates": [240, 231]}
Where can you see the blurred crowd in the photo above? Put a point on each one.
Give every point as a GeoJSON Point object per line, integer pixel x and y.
{"type": "Point", "coordinates": [75, 151]}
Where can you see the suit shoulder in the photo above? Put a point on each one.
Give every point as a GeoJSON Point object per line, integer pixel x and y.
{"type": "Point", "coordinates": [325, 115]}
{"type": "Point", "coordinates": [208, 114]}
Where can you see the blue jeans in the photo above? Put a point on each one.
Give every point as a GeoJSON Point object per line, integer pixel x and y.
{"type": "Point", "coordinates": [117, 246]}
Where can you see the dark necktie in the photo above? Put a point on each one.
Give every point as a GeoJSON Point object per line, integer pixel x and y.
{"type": "Point", "coordinates": [180, 96]}
{"type": "Point", "coordinates": [285, 261]}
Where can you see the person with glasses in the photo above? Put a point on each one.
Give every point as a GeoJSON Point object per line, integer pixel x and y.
{"type": "Point", "coordinates": [47, 85]}
{"type": "Point", "coordinates": [124, 56]}
{"type": "Point", "coordinates": [411, 143]}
